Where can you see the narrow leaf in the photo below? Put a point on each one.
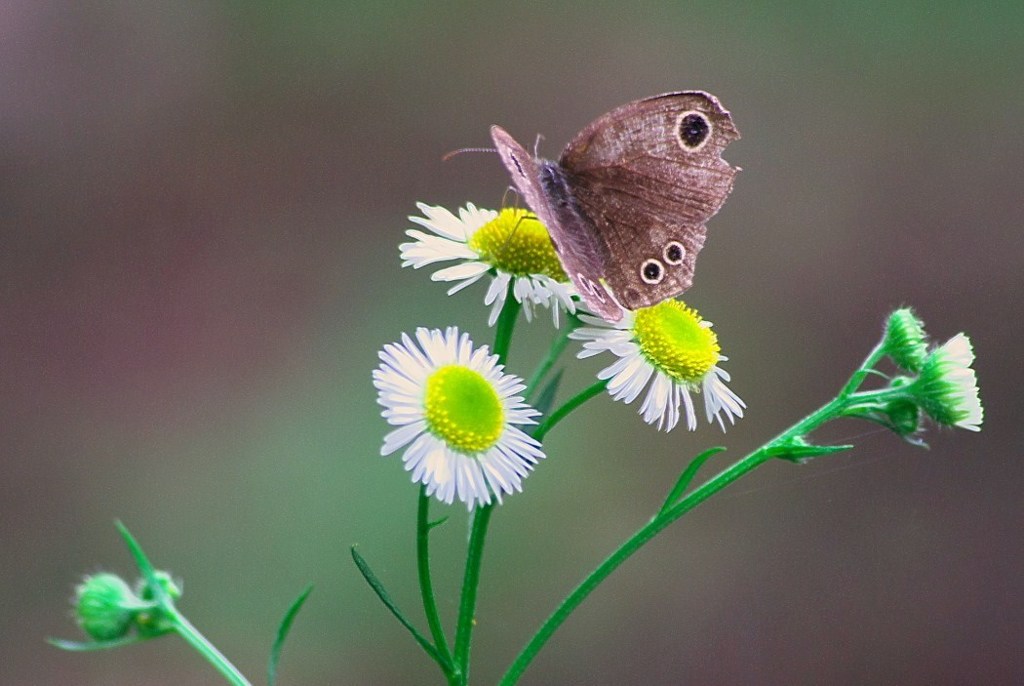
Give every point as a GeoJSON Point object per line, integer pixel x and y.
{"type": "Point", "coordinates": [282, 634]}
{"type": "Point", "coordinates": [687, 476]}
{"type": "Point", "coordinates": [143, 563]}
{"type": "Point", "coordinates": [378, 588]}
{"type": "Point", "coordinates": [86, 646]}
{"type": "Point", "coordinates": [546, 398]}
{"type": "Point", "coordinates": [800, 452]}
{"type": "Point", "coordinates": [437, 522]}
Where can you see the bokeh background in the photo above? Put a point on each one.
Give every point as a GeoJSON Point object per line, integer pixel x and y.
{"type": "Point", "coordinates": [201, 205]}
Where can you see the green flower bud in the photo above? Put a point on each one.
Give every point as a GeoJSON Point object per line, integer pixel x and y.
{"type": "Point", "coordinates": [154, 622]}
{"type": "Point", "coordinates": [171, 587]}
{"type": "Point", "coordinates": [906, 340]}
{"type": "Point", "coordinates": [905, 416]}
{"type": "Point", "coordinates": [105, 606]}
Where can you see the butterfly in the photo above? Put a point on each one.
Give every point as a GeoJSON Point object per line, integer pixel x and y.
{"type": "Point", "coordinates": [626, 203]}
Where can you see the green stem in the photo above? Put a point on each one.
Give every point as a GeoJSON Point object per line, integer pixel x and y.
{"type": "Point", "coordinates": [857, 378]}
{"type": "Point", "coordinates": [205, 648]}
{"type": "Point", "coordinates": [506, 325]}
{"type": "Point", "coordinates": [659, 523]}
{"type": "Point", "coordinates": [556, 349]}
{"type": "Point", "coordinates": [470, 583]}
{"type": "Point", "coordinates": [481, 515]}
{"type": "Point", "coordinates": [427, 586]}
{"type": "Point", "coordinates": [571, 404]}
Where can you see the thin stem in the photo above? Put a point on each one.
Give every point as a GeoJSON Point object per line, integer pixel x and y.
{"type": "Point", "coordinates": [482, 515]}
{"type": "Point", "coordinates": [563, 411]}
{"type": "Point", "coordinates": [557, 347]}
{"type": "Point", "coordinates": [205, 648]}
{"type": "Point", "coordinates": [470, 583]}
{"type": "Point", "coordinates": [506, 324]}
{"type": "Point", "coordinates": [857, 378]}
{"type": "Point", "coordinates": [659, 523]}
{"type": "Point", "coordinates": [426, 584]}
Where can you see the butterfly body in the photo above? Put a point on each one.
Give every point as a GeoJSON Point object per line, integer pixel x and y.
{"type": "Point", "coordinates": [626, 203]}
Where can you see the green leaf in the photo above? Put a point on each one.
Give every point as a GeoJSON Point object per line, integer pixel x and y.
{"type": "Point", "coordinates": [437, 522]}
{"type": "Point", "coordinates": [547, 395]}
{"type": "Point", "coordinates": [687, 476]}
{"type": "Point", "coordinates": [800, 451]}
{"type": "Point", "coordinates": [282, 634]}
{"type": "Point", "coordinates": [378, 588]}
{"type": "Point", "coordinates": [142, 562]}
{"type": "Point", "coordinates": [548, 422]}
{"type": "Point", "coordinates": [86, 646]}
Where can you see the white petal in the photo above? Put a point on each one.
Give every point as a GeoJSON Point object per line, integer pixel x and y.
{"type": "Point", "coordinates": [465, 270]}
{"type": "Point", "coordinates": [441, 221]}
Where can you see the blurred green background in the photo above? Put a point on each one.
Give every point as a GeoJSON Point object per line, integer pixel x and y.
{"type": "Point", "coordinates": [201, 205]}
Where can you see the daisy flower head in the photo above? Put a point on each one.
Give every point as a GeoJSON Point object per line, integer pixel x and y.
{"type": "Point", "coordinates": [456, 414]}
{"type": "Point", "coordinates": [511, 245]}
{"type": "Point", "coordinates": [669, 350]}
{"type": "Point", "coordinates": [947, 388]}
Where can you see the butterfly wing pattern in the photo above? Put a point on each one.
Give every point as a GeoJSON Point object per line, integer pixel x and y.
{"type": "Point", "coordinates": [649, 175]}
{"type": "Point", "coordinates": [627, 202]}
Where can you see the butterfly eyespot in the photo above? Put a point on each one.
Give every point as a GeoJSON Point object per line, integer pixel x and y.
{"type": "Point", "coordinates": [692, 130]}
{"type": "Point", "coordinates": [652, 272]}
{"type": "Point", "coordinates": [674, 252]}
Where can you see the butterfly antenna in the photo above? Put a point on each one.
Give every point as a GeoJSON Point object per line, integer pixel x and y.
{"type": "Point", "coordinates": [504, 197]}
{"type": "Point", "coordinates": [453, 153]}
{"type": "Point", "coordinates": [519, 220]}
{"type": "Point", "coordinates": [536, 145]}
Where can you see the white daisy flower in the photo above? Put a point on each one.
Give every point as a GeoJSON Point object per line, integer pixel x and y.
{"type": "Point", "coordinates": [510, 245]}
{"type": "Point", "coordinates": [456, 413]}
{"type": "Point", "coordinates": [668, 349]}
{"type": "Point", "coordinates": [948, 388]}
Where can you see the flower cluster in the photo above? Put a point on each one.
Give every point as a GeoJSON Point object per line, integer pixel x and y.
{"type": "Point", "coordinates": [459, 416]}
{"type": "Point", "coordinates": [945, 388]}
{"type": "Point", "coordinates": [108, 609]}
{"type": "Point", "coordinates": [463, 424]}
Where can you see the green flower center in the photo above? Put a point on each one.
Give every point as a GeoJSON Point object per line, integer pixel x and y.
{"type": "Point", "coordinates": [671, 337]}
{"type": "Point", "coordinates": [463, 409]}
{"type": "Point", "coordinates": [517, 243]}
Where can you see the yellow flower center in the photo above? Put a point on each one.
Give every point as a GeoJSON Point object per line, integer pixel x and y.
{"type": "Point", "coordinates": [463, 409]}
{"type": "Point", "coordinates": [671, 337]}
{"type": "Point", "coordinates": [517, 243]}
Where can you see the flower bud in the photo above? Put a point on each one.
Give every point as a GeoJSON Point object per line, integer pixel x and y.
{"type": "Point", "coordinates": [105, 606]}
{"type": "Point", "coordinates": [166, 582]}
{"type": "Point", "coordinates": [905, 417]}
{"type": "Point", "coordinates": [906, 340]}
{"type": "Point", "coordinates": [154, 621]}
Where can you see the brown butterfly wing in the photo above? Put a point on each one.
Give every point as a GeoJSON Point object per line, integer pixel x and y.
{"type": "Point", "coordinates": [544, 188]}
{"type": "Point", "coordinates": [648, 175]}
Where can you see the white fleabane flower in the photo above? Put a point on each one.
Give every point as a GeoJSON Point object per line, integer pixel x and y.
{"type": "Point", "coordinates": [456, 412]}
{"type": "Point", "coordinates": [510, 245]}
{"type": "Point", "coordinates": [669, 350]}
{"type": "Point", "coordinates": [947, 388]}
